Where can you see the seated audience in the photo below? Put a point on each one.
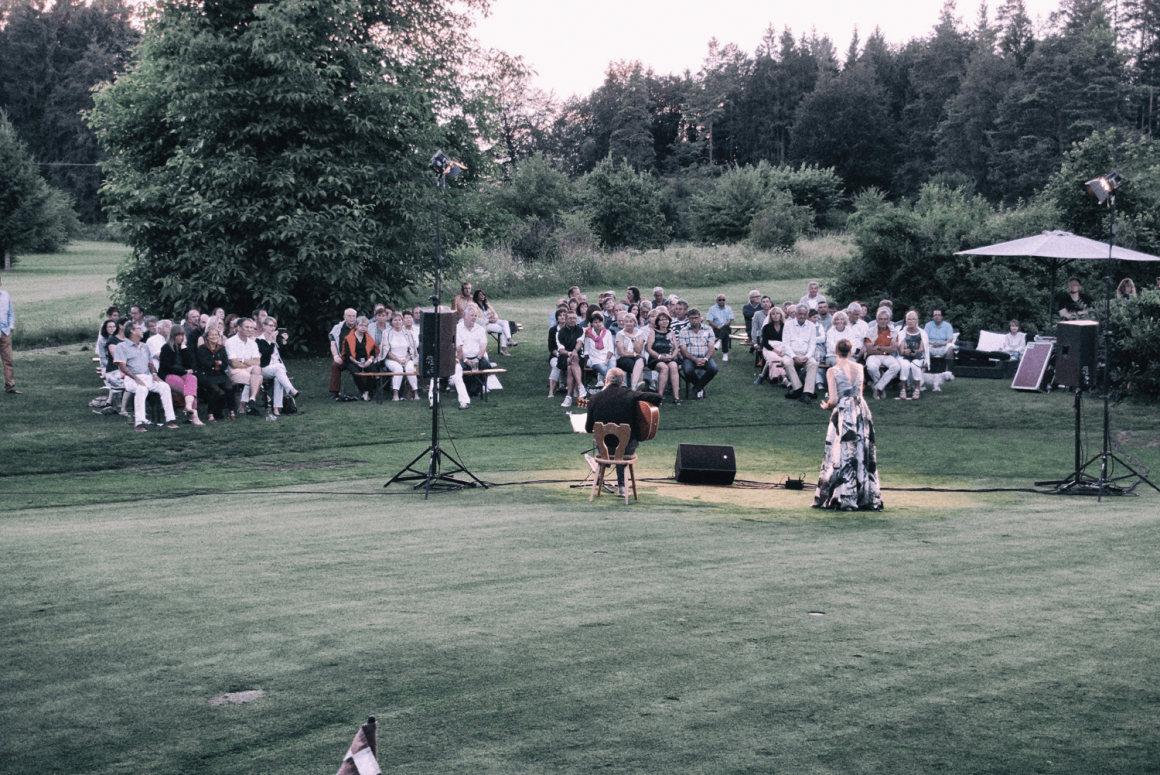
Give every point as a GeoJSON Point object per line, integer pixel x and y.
{"type": "Point", "coordinates": [940, 336]}
{"type": "Point", "coordinates": [599, 350]}
{"type": "Point", "coordinates": [107, 340]}
{"type": "Point", "coordinates": [800, 344]}
{"type": "Point", "coordinates": [913, 353]}
{"type": "Point", "coordinates": [133, 359]}
{"type": "Point", "coordinates": [177, 365]}
{"type": "Point", "coordinates": [470, 354]}
{"type": "Point", "coordinates": [570, 361]}
{"type": "Point", "coordinates": [750, 309]}
{"type": "Point", "coordinates": [338, 335]}
{"type": "Point", "coordinates": [662, 354]}
{"type": "Point", "coordinates": [696, 346]}
{"type": "Point", "coordinates": [506, 329]}
{"type": "Point", "coordinates": [401, 356]}
{"type": "Point", "coordinates": [838, 331]}
{"type": "Point", "coordinates": [631, 350]}
{"type": "Point", "coordinates": [213, 377]}
{"type": "Point", "coordinates": [273, 367]}
{"type": "Point", "coordinates": [554, 370]}
{"type": "Point", "coordinates": [881, 344]}
{"type": "Point", "coordinates": [720, 318]}
{"type": "Point", "coordinates": [1015, 342]}
{"type": "Point", "coordinates": [358, 354]}
{"type": "Point", "coordinates": [379, 327]}
{"type": "Point", "coordinates": [760, 318]}
{"type": "Point", "coordinates": [812, 296]}
{"type": "Point", "coordinates": [772, 349]}
{"type": "Point", "coordinates": [246, 363]}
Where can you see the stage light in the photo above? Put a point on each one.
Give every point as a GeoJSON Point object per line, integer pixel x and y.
{"type": "Point", "coordinates": [1102, 187]}
{"type": "Point", "coordinates": [445, 166]}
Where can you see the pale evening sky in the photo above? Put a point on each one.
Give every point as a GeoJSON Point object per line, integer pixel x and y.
{"type": "Point", "coordinates": [570, 44]}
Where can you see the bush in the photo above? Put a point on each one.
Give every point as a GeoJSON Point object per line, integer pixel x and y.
{"type": "Point", "coordinates": [1135, 346]}
{"type": "Point", "coordinates": [780, 224]}
{"type": "Point", "coordinates": [725, 211]}
{"type": "Point", "coordinates": [905, 252]}
{"type": "Point", "coordinates": [625, 208]}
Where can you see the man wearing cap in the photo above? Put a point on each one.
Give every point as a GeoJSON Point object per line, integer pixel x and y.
{"type": "Point", "coordinates": [720, 319]}
{"type": "Point", "coordinates": [750, 309]}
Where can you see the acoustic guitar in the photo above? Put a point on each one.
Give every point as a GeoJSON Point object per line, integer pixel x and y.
{"type": "Point", "coordinates": [648, 418]}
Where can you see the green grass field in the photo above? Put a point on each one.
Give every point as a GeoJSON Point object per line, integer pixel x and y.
{"type": "Point", "coordinates": [521, 629]}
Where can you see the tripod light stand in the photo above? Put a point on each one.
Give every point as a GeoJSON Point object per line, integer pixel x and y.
{"type": "Point", "coordinates": [1103, 189]}
{"type": "Point", "coordinates": [435, 478]}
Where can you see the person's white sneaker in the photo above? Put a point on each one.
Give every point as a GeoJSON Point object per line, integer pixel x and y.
{"type": "Point", "coordinates": [567, 401]}
{"type": "Point", "coordinates": [725, 357]}
{"type": "Point", "coordinates": [583, 392]}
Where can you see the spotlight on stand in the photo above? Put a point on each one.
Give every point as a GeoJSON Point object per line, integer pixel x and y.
{"type": "Point", "coordinates": [1104, 186]}
{"type": "Point", "coordinates": [445, 167]}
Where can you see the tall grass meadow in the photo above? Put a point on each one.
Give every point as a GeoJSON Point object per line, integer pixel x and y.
{"type": "Point", "coordinates": [697, 266]}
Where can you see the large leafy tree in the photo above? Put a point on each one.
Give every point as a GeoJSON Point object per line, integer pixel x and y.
{"type": "Point", "coordinates": [275, 155]}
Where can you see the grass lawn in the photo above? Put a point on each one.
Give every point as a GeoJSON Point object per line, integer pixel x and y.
{"type": "Point", "coordinates": [522, 629]}
{"type": "Point", "coordinates": [62, 297]}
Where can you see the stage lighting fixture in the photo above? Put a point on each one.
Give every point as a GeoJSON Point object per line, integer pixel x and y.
{"type": "Point", "coordinates": [1102, 187]}
{"type": "Point", "coordinates": [444, 165]}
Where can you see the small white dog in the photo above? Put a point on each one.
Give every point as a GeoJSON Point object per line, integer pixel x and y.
{"type": "Point", "coordinates": [936, 380]}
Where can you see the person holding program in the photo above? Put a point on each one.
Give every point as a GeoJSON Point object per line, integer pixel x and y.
{"type": "Point", "coordinates": [849, 477]}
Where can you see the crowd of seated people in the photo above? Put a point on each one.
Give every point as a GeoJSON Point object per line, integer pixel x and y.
{"type": "Point", "coordinates": [657, 342]}
{"type": "Point", "coordinates": [218, 362]}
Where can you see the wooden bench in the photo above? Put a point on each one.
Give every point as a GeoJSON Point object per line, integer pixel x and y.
{"type": "Point", "coordinates": [383, 375]}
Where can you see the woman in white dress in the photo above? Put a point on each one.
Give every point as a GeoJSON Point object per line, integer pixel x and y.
{"type": "Point", "coordinates": [399, 346]}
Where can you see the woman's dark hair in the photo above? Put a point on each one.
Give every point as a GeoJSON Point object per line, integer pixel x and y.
{"type": "Point", "coordinates": [597, 315]}
{"type": "Point", "coordinates": [174, 333]}
{"type": "Point", "coordinates": [634, 294]}
{"type": "Point", "coordinates": [105, 328]}
{"type": "Point", "coordinates": [476, 298]}
{"type": "Point", "coordinates": [843, 347]}
{"type": "Point", "coordinates": [665, 315]}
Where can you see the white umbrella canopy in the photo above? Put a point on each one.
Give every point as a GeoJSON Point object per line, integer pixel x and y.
{"type": "Point", "coordinates": [1058, 244]}
{"type": "Point", "coordinates": [1061, 247]}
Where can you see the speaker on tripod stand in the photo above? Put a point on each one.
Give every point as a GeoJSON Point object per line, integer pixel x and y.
{"type": "Point", "coordinates": [1075, 359]}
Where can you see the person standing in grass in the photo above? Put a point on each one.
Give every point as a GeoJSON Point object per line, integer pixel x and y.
{"type": "Point", "coordinates": [849, 477]}
{"type": "Point", "coordinates": [7, 325]}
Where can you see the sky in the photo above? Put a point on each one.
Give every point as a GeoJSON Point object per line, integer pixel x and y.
{"type": "Point", "coordinates": [570, 44]}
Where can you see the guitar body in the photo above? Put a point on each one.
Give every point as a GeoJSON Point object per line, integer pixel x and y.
{"type": "Point", "coordinates": [648, 418]}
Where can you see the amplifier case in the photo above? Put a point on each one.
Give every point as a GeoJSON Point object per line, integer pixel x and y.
{"type": "Point", "coordinates": [705, 464]}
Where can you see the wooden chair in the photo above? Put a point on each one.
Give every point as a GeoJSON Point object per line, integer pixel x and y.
{"type": "Point", "coordinates": [623, 433]}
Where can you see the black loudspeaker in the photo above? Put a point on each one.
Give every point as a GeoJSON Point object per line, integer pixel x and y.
{"type": "Point", "coordinates": [1075, 342]}
{"type": "Point", "coordinates": [441, 363]}
{"type": "Point", "coordinates": [705, 464]}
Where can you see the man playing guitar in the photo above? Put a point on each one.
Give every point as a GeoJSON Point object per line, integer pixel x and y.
{"type": "Point", "coordinates": [618, 404]}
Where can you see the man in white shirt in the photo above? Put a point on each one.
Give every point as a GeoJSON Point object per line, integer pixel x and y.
{"type": "Point", "coordinates": [470, 352]}
{"type": "Point", "coordinates": [812, 296]}
{"type": "Point", "coordinates": [246, 363]}
{"type": "Point", "coordinates": [800, 341]}
{"type": "Point", "coordinates": [158, 340]}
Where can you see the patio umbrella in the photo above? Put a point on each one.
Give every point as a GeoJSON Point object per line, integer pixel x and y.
{"type": "Point", "coordinates": [1060, 247]}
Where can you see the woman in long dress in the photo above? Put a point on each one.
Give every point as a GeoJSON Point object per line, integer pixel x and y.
{"type": "Point", "coordinates": [849, 477]}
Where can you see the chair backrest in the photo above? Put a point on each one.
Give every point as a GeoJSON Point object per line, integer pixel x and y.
{"type": "Point", "coordinates": [602, 430]}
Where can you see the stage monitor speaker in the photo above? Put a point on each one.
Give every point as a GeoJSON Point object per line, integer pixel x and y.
{"type": "Point", "coordinates": [1075, 342]}
{"type": "Point", "coordinates": [705, 464]}
{"type": "Point", "coordinates": [441, 363]}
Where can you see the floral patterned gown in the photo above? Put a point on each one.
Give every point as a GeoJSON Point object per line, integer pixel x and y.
{"type": "Point", "coordinates": [849, 478]}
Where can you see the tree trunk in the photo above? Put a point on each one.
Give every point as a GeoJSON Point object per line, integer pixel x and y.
{"type": "Point", "coordinates": [7, 261]}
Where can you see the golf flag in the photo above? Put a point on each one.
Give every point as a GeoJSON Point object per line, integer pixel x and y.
{"type": "Point", "coordinates": [362, 756]}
